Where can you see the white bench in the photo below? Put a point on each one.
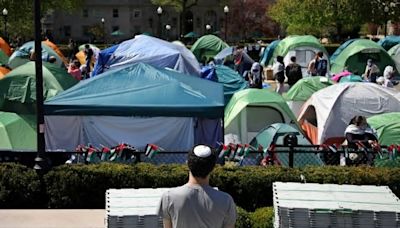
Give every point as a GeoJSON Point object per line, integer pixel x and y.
{"type": "Point", "coordinates": [133, 208]}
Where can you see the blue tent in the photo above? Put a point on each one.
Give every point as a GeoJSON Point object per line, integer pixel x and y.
{"type": "Point", "coordinates": [138, 104]}
{"type": "Point", "coordinates": [102, 59]}
{"type": "Point", "coordinates": [22, 55]}
{"type": "Point", "coordinates": [150, 50]}
{"type": "Point", "coordinates": [389, 42]}
{"type": "Point", "coordinates": [269, 52]}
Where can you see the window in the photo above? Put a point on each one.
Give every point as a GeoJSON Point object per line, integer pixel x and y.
{"type": "Point", "coordinates": [115, 13]}
{"type": "Point", "coordinates": [85, 13]}
{"type": "Point", "coordinates": [67, 31]}
{"type": "Point", "coordinates": [137, 14]}
{"type": "Point", "coordinates": [115, 28]}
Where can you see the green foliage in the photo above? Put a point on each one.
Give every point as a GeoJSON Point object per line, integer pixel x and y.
{"type": "Point", "coordinates": [262, 218]}
{"type": "Point", "coordinates": [20, 13]}
{"type": "Point", "coordinates": [321, 17]}
{"type": "Point", "coordinates": [19, 187]}
{"type": "Point", "coordinates": [243, 218]}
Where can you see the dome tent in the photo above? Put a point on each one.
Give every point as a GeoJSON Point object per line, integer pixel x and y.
{"type": "Point", "coordinates": [387, 126]}
{"type": "Point", "coordinates": [325, 116]}
{"type": "Point", "coordinates": [207, 47]}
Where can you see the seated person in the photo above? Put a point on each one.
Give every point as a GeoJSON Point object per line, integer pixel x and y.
{"type": "Point", "coordinates": [359, 133]}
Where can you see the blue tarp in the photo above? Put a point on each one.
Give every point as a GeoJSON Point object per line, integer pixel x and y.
{"type": "Point", "coordinates": [153, 51]}
{"type": "Point", "coordinates": [269, 52]}
{"type": "Point", "coordinates": [141, 90]}
{"type": "Point", "coordinates": [389, 42]}
{"type": "Point", "coordinates": [102, 59]}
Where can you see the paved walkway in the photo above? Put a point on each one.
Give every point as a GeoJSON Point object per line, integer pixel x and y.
{"type": "Point", "coordinates": [52, 218]}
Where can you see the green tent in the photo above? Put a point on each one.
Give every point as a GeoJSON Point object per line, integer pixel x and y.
{"type": "Point", "coordinates": [22, 55]}
{"type": "Point", "coordinates": [16, 133]}
{"type": "Point", "coordinates": [3, 57]}
{"type": "Point", "coordinates": [117, 33]}
{"type": "Point", "coordinates": [251, 110]}
{"type": "Point", "coordinates": [394, 52]}
{"type": "Point", "coordinates": [304, 48]}
{"type": "Point", "coordinates": [388, 127]}
{"type": "Point", "coordinates": [19, 87]}
{"type": "Point", "coordinates": [191, 35]}
{"type": "Point", "coordinates": [207, 47]}
{"type": "Point", "coordinates": [355, 56]}
{"type": "Point", "coordinates": [351, 78]}
{"type": "Point", "coordinates": [274, 134]}
{"type": "Point", "coordinates": [306, 87]}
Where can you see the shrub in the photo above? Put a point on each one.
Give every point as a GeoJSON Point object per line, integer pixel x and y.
{"type": "Point", "coordinates": [243, 218]}
{"type": "Point", "coordinates": [19, 187]}
{"type": "Point", "coordinates": [262, 218]}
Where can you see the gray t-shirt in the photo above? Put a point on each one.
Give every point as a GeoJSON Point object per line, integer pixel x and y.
{"type": "Point", "coordinates": [197, 206]}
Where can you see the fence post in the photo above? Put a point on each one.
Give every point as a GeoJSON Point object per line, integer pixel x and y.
{"type": "Point", "coordinates": [290, 140]}
{"type": "Point", "coordinates": [291, 156]}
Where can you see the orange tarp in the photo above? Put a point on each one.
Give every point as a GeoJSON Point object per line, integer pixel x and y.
{"type": "Point", "coordinates": [311, 132]}
{"type": "Point", "coordinates": [56, 49]}
{"type": "Point", "coordinates": [5, 47]}
{"type": "Point", "coordinates": [3, 72]}
{"type": "Point", "coordinates": [81, 58]}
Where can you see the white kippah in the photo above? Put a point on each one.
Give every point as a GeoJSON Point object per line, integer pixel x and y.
{"type": "Point", "coordinates": [202, 151]}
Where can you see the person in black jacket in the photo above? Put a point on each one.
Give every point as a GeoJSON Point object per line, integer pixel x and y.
{"type": "Point", "coordinates": [293, 72]}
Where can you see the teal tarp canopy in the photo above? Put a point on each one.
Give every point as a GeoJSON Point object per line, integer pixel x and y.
{"type": "Point", "coordinates": [355, 53]}
{"type": "Point", "coordinates": [351, 78]}
{"type": "Point", "coordinates": [232, 81]}
{"type": "Point", "coordinates": [389, 41]}
{"type": "Point", "coordinates": [304, 88]}
{"type": "Point", "coordinates": [141, 90]}
{"type": "Point", "coordinates": [207, 47]}
{"type": "Point", "coordinates": [191, 35]}
{"type": "Point", "coordinates": [274, 134]}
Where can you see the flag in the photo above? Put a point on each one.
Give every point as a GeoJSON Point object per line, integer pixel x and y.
{"type": "Point", "coordinates": [152, 150]}
{"type": "Point", "coordinates": [224, 151]}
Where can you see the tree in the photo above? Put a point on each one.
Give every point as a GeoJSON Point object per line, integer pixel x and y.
{"type": "Point", "coordinates": [250, 20]}
{"type": "Point", "coordinates": [321, 17]}
{"type": "Point", "coordinates": [20, 14]}
{"type": "Point", "coordinates": [180, 6]}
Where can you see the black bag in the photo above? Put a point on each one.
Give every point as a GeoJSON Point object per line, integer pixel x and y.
{"type": "Point", "coordinates": [322, 67]}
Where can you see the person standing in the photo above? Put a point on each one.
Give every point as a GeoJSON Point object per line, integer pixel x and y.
{"type": "Point", "coordinates": [293, 72]}
{"type": "Point", "coordinates": [89, 54]}
{"type": "Point", "coordinates": [196, 204]}
{"type": "Point", "coordinates": [321, 64]}
{"type": "Point", "coordinates": [279, 74]}
{"type": "Point", "coordinates": [312, 66]}
{"type": "Point", "coordinates": [255, 76]}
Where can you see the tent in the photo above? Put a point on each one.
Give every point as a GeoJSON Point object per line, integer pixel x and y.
{"type": "Point", "coordinates": [150, 50]}
{"type": "Point", "coordinates": [389, 41]}
{"type": "Point", "coordinates": [117, 33]}
{"type": "Point", "coordinates": [16, 133]}
{"type": "Point", "coordinates": [303, 47]}
{"type": "Point", "coordinates": [3, 57]}
{"type": "Point", "coordinates": [387, 126]}
{"type": "Point", "coordinates": [269, 52]}
{"type": "Point", "coordinates": [325, 116]}
{"type": "Point", "coordinates": [191, 35]}
{"type": "Point", "coordinates": [22, 55]}
{"type": "Point", "coordinates": [5, 47]}
{"type": "Point", "coordinates": [138, 104]}
{"type": "Point", "coordinates": [57, 50]}
{"type": "Point", "coordinates": [19, 86]}
{"type": "Point", "coordinates": [394, 52]}
{"type": "Point", "coordinates": [232, 81]}
{"type": "Point", "coordinates": [207, 47]}
{"type": "Point", "coordinates": [351, 78]}
{"type": "Point", "coordinates": [299, 93]}
{"type": "Point", "coordinates": [355, 53]}
{"type": "Point", "coordinates": [3, 72]}
{"type": "Point", "coordinates": [178, 42]}
{"type": "Point", "coordinates": [274, 134]}
{"type": "Point", "coordinates": [251, 110]}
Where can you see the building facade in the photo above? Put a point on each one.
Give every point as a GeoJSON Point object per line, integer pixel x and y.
{"type": "Point", "coordinates": [122, 19]}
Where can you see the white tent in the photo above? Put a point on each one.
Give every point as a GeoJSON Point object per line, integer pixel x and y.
{"type": "Point", "coordinates": [327, 113]}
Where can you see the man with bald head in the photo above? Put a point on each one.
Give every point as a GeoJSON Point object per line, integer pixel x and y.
{"type": "Point", "coordinates": [196, 204]}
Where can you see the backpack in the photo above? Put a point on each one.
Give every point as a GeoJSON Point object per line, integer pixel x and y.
{"type": "Point", "coordinates": [293, 73]}
{"type": "Point", "coordinates": [322, 67]}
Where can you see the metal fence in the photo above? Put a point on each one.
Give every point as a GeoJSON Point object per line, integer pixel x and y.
{"type": "Point", "coordinates": [298, 156]}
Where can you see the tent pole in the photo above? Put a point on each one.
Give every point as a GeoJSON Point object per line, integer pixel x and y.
{"type": "Point", "coordinates": [39, 160]}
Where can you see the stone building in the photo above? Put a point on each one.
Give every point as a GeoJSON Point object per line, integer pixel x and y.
{"type": "Point", "coordinates": [122, 19]}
